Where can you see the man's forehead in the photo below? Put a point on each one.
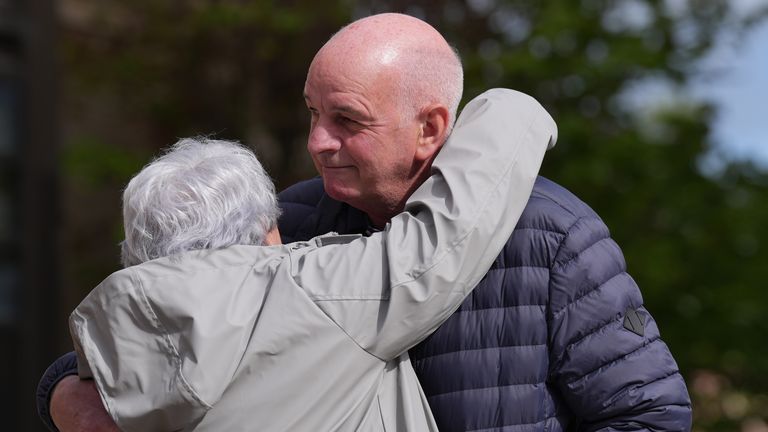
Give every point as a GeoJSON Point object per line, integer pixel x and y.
{"type": "Point", "coordinates": [346, 87]}
{"type": "Point", "coordinates": [340, 73]}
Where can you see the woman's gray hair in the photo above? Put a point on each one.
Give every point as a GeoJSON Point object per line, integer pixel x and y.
{"type": "Point", "coordinates": [201, 194]}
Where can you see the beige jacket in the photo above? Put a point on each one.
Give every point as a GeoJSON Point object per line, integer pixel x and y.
{"type": "Point", "coordinates": [313, 336]}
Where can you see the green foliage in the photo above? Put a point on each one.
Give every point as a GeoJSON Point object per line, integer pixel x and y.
{"type": "Point", "coordinates": [227, 68]}
{"type": "Point", "coordinates": [695, 242]}
{"type": "Point", "coordinates": [97, 163]}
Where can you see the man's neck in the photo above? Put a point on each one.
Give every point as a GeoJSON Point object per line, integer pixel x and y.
{"type": "Point", "coordinates": [378, 222]}
{"type": "Point", "coordinates": [380, 217]}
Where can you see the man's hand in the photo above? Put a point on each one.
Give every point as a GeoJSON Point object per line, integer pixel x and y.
{"type": "Point", "coordinates": [77, 407]}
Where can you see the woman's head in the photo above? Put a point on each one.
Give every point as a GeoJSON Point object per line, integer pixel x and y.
{"type": "Point", "coordinates": [201, 194]}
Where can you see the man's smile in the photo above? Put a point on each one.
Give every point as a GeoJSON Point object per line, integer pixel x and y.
{"type": "Point", "coordinates": [337, 167]}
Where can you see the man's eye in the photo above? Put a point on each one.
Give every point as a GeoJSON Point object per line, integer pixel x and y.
{"type": "Point", "coordinates": [347, 121]}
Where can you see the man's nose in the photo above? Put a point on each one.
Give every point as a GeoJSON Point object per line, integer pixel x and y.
{"type": "Point", "coordinates": [321, 139]}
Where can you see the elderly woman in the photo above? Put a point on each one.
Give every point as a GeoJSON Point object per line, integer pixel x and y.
{"type": "Point", "coordinates": [220, 328]}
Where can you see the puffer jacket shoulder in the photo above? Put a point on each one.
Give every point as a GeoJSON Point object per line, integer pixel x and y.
{"type": "Point", "coordinates": [298, 202]}
{"type": "Point", "coordinates": [555, 337]}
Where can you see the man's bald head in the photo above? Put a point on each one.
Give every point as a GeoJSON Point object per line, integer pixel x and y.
{"type": "Point", "coordinates": [421, 64]}
{"type": "Point", "coordinates": [382, 94]}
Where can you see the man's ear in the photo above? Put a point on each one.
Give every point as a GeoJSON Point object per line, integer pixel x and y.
{"type": "Point", "coordinates": [434, 130]}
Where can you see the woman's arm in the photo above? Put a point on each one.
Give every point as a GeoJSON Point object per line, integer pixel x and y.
{"type": "Point", "coordinates": [391, 290]}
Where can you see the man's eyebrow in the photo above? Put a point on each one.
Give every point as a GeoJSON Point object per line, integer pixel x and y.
{"type": "Point", "coordinates": [344, 109]}
{"type": "Point", "coordinates": [350, 110]}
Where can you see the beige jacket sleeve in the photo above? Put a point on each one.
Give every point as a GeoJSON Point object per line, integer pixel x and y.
{"type": "Point", "coordinates": [391, 290]}
{"type": "Point", "coordinates": [122, 344]}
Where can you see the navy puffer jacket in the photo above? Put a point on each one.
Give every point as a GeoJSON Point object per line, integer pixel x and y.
{"type": "Point", "coordinates": [554, 338]}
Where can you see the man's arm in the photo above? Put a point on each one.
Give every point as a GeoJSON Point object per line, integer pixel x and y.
{"type": "Point", "coordinates": [68, 404]}
{"type": "Point", "coordinates": [77, 407]}
{"type": "Point", "coordinates": [607, 357]}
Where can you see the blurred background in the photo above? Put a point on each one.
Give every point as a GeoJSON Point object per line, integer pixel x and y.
{"type": "Point", "coordinates": [662, 132]}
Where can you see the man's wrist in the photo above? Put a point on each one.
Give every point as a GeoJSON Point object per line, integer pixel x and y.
{"type": "Point", "coordinates": [59, 395]}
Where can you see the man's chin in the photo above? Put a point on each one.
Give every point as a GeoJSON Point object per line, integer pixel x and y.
{"type": "Point", "coordinates": [340, 192]}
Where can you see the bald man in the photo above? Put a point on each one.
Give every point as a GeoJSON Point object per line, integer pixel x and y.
{"type": "Point", "coordinates": [380, 110]}
{"type": "Point", "coordinates": [555, 336]}
{"type": "Point", "coordinates": [382, 99]}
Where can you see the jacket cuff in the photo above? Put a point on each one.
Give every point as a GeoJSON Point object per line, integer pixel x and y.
{"type": "Point", "coordinates": [63, 366]}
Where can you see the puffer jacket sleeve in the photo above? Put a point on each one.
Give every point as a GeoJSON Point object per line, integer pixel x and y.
{"type": "Point", "coordinates": [63, 366]}
{"type": "Point", "coordinates": [607, 357]}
